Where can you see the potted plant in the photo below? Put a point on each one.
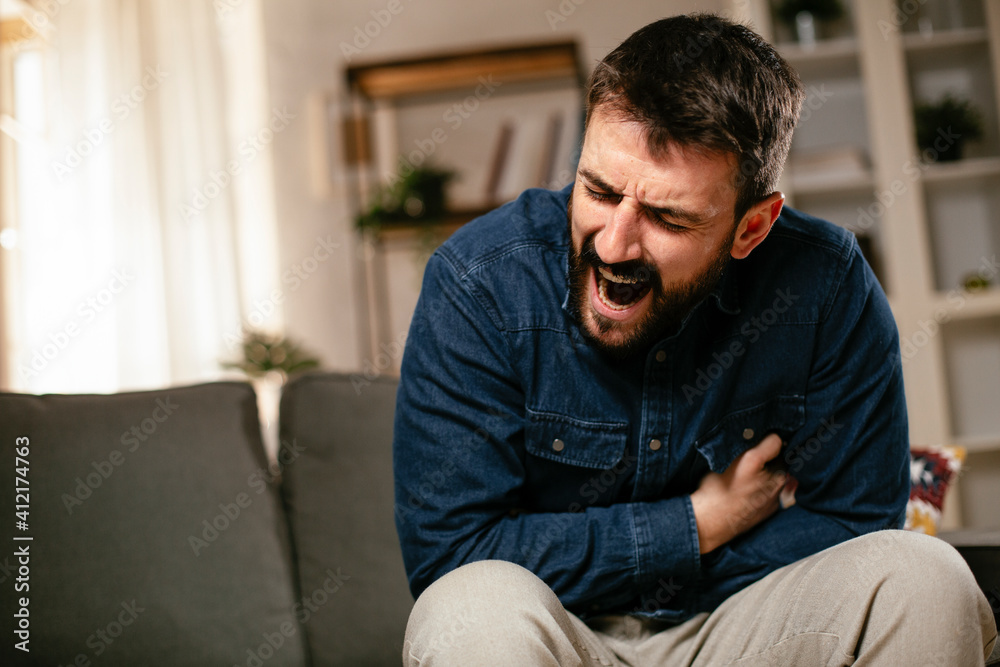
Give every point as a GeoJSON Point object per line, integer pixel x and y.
{"type": "Point", "coordinates": [802, 16]}
{"type": "Point", "coordinates": [417, 196]}
{"type": "Point", "coordinates": [266, 354]}
{"type": "Point", "coordinates": [268, 360]}
{"type": "Point", "coordinates": [944, 126]}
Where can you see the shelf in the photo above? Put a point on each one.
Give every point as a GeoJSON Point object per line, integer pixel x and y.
{"type": "Point", "coordinates": [972, 355]}
{"type": "Point", "coordinates": [974, 444]}
{"type": "Point", "coordinates": [419, 76]}
{"type": "Point", "coordinates": [405, 232]}
{"type": "Point", "coordinates": [828, 53]}
{"type": "Point", "coordinates": [961, 170]}
{"type": "Point", "coordinates": [962, 305]}
{"type": "Point", "coordinates": [834, 183]}
{"type": "Point", "coordinates": [948, 39]}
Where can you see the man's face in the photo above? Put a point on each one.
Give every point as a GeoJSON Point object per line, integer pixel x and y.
{"type": "Point", "coordinates": [650, 236]}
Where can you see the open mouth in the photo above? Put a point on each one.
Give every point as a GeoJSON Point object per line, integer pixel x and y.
{"type": "Point", "coordinates": [619, 293]}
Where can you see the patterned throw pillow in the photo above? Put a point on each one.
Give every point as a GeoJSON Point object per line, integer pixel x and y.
{"type": "Point", "coordinates": [932, 469]}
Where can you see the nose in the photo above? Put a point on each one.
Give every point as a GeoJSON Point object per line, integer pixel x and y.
{"type": "Point", "coordinates": [619, 240]}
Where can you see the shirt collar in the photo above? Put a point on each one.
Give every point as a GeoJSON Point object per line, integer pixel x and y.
{"type": "Point", "coordinates": [725, 293]}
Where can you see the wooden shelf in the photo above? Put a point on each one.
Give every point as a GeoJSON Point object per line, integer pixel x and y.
{"type": "Point", "coordinates": [403, 232]}
{"type": "Point", "coordinates": [437, 73]}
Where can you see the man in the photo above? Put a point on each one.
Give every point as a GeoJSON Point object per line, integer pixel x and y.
{"type": "Point", "coordinates": [654, 420]}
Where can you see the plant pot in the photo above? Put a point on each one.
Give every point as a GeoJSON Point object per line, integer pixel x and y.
{"type": "Point", "coordinates": [805, 29]}
{"type": "Point", "coordinates": [952, 153]}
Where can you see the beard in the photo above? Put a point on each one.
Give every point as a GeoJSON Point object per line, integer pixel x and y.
{"type": "Point", "coordinates": [671, 303]}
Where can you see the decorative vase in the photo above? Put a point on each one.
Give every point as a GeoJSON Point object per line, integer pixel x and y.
{"type": "Point", "coordinates": [268, 388]}
{"type": "Point", "coordinates": [805, 29]}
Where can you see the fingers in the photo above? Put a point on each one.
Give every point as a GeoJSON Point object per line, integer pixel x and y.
{"type": "Point", "coordinates": [765, 450]}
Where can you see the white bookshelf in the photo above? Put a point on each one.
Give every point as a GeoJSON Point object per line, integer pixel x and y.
{"type": "Point", "coordinates": [930, 226]}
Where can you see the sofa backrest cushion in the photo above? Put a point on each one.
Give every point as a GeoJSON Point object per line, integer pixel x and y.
{"type": "Point", "coordinates": [156, 535]}
{"type": "Point", "coordinates": [336, 447]}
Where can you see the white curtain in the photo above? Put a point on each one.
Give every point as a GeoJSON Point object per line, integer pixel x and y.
{"type": "Point", "coordinates": [145, 214]}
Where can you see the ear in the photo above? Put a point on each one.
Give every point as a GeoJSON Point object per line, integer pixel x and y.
{"type": "Point", "coordinates": [756, 224]}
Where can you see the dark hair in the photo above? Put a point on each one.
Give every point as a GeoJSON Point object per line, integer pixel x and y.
{"type": "Point", "coordinates": [703, 81]}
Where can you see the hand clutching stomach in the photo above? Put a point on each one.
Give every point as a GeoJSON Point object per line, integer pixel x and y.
{"type": "Point", "coordinates": [730, 503]}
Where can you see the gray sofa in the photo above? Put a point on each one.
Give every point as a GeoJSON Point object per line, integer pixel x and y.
{"type": "Point", "coordinates": [160, 537]}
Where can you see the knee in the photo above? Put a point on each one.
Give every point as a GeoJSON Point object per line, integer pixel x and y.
{"type": "Point", "coordinates": [924, 570]}
{"type": "Point", "coordinates": [470, 605]}
{"type": "Point", "coordinates": [482, 584]}
{"type": "Point", "coordinates": [915, 557]}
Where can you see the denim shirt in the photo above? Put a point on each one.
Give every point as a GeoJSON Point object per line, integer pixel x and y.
{"type": "Point", "coordinates": [515, 439]}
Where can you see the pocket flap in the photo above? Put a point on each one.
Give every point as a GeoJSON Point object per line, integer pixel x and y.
{"type": "Point", "coordinates": [587, 444]}
{"type": "Point", "coordinates": [739, 431]}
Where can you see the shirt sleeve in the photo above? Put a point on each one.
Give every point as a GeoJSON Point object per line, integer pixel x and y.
{"type": "Point", "coordinates": [459, 466]}
{"type": "Point", "coordinates": [851, 459]}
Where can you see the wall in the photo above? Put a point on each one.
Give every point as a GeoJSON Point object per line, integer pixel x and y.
{"type": "Point", "coordinates": [310, 43]}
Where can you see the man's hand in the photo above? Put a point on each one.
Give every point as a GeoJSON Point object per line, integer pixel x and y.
{"type": "Point", "coordinates": [744, 495]}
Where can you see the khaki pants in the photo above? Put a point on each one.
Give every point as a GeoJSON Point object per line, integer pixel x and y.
{"type": "Point", "coordinates": [888, 598]}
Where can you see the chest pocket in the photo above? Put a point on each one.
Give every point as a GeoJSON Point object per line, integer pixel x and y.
{"type": "Point", "coordinates": [739, 431]}
{"type": "Point", "coordinates": [573, 464]}
{"type": "Point", "coordinates": [594, 445]}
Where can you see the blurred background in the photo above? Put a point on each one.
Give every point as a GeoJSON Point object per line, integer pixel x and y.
{"type": "Point", "coordinates": [194, 190]}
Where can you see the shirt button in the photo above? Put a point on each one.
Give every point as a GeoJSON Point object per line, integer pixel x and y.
{"type": "Point", "coordinates": [558, 445]}
{"type": "Point", "coordinates": [661, 356]}
{"type": "Point", "coordinates": [655, 445]}
{"type": "Point", "coordinates": [747, 433]}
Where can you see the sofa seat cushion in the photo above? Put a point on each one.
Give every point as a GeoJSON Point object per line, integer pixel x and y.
{"type": "Point", "coordinates": [156, 535]}
{"type": "Point", "coordinates": [336, 448]}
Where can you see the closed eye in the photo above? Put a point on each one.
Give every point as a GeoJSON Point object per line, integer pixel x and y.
{"type": "Point", "coordinates": [603, 196]}
{"type": "Point", "coordinates": [665, 223]}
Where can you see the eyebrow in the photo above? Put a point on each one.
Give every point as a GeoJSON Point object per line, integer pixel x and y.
{"type": "Point", "coordinates": [675, 213]}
